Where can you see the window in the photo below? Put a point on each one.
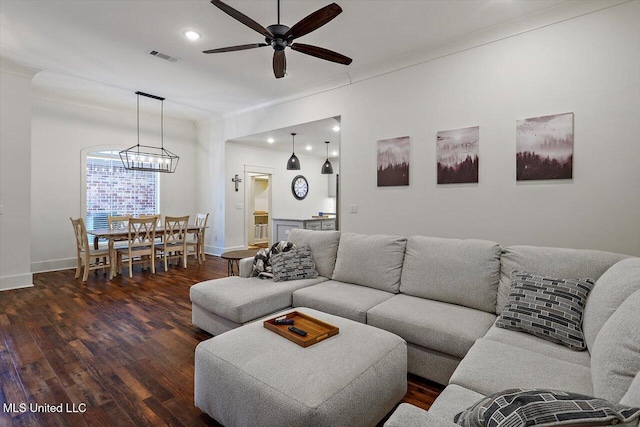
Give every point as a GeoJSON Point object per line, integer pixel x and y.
{"type": "Point", "coordinates": [114, 190]}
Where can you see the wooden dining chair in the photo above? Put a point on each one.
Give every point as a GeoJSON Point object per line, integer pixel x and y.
{"type": "Point", "coordinates": [140, 245]}
{"type": "Point", "coordinates": [118, 222]}
{"type": "Point", "coordinates": [159, 237]}
{"type": "Point", "coordinates": [197, 242]}
{"type": "Point", "coordinates": [86, 253]}
{"type": "Point", "coordinates": [174, 240]}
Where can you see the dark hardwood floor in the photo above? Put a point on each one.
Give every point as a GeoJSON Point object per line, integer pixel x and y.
{"type": "Point", "coordinates": [124, 348]}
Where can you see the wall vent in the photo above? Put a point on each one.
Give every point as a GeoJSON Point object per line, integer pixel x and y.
{"type": "Point", "coordinates": [163, 56]}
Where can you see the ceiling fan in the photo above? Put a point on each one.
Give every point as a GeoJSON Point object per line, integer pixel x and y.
{"type": "Point", "coordinates": [280, 36]}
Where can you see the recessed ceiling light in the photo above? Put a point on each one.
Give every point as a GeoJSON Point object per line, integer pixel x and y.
{"type": "Point", "coordinates": [192, 35]}
{"type": "Point", "coordinates": [309, 147]}
{"type": "Point", "coordinates": [271, 140]}
{"type": "Point", "coordinates": [334, 153]}
{"type": "Point", "coordinates": [336, 128]}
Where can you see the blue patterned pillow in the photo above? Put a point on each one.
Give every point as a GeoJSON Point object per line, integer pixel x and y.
{"type": "Point", "coordinates": [547, 307]}
{"type": "Point", "coordinates": [520, 407]}
{"type": "Point", "coordinates": [293, 265]}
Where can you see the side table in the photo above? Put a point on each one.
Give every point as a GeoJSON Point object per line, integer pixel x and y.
{"type": "Point", "coordinates": [234, 257]}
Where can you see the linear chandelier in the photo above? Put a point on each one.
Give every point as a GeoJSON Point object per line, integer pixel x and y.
{"type": "Point", "coordinates": [146, 157]}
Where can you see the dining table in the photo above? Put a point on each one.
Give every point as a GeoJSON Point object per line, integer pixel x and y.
{"type": "Point", "coordinates": [122, 234]}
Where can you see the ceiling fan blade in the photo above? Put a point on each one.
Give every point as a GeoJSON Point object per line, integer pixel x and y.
{"type": "Point", "coordinates": [322, 53]}
{"type": "Point", "coordinates": [279, 64]}
{"type": "Point", "coordinates": [242, 18]}
{"type": "Point", "coordinates": [314, 21]}
{"type": "Point", "coordinates": [234, 48]}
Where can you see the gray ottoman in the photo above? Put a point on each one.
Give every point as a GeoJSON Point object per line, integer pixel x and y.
{"type": "Point", "coordinates": [251, 376]}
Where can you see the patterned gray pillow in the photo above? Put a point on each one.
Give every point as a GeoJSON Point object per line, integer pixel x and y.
{"type": "Point", "coordinates": [293, 265]}
{"type": "Point", "coordinates": [547, 307]}
{"type": "Point", "coordinates": [520, 407]}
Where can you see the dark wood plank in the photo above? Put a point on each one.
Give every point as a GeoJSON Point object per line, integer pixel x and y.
{"type": "Point", "coordinates": [124, 347]}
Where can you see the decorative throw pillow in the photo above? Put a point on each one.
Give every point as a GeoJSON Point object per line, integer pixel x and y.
{"type": "Point", "coordinates": [546, 307]}
{"type": "Point", "coordinates": [262, 261]}
{"type": "Point", "coordinates": [293, 265]}
{"type": "Point", "coordinates": [520, 407]}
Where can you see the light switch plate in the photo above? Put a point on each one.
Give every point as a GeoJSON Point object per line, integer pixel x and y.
{"type": "Point", "coordinates": [239, 206]}
{"type": "Point", "coordinates": [354, 208]}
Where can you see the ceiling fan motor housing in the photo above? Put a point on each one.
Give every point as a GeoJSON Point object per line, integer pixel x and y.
{"type": "Point", "coordinates": [278, 41]}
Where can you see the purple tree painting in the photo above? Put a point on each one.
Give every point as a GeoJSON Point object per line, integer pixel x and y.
{"type": "Point", "coordinates": [393, 162]}
{"type": "Point", "coordinates": [457, 155]}
{"type": "Point", "coordinates": [544, 147]}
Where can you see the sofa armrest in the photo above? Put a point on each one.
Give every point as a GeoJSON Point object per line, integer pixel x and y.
{"type": "Point", "coordinates": [244, 266]}
{"type": "Point", "coordinates": [407, 415]}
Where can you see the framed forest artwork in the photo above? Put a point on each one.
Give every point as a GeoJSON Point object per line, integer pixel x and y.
{"type": "Point", "coordinates": [393, 162]}
{"type": "Point", "coordinates": [457, 155]}
{"type": "Point", "coordinates": [544, 147]}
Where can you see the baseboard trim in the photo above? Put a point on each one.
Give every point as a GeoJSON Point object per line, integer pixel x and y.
{"type": "Point", "coordinates": [214, 250]}
{"type": "Point", "coordinates": [53, 265]}
{"type": "Point", "coordinates": [18, 281]}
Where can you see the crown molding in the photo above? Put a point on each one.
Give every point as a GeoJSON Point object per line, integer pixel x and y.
{"type": "Point", "coordinates": [541, 19]}
{"type": "Point", "coordinates": [16, 69]}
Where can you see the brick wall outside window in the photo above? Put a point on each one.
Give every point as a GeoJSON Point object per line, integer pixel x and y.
{"type": "Point", "coordinates": [114, 190]}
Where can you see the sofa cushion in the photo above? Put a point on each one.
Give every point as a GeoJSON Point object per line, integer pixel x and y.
{"type": "Point", "coordinates": [491, 366]}
{"type": "Point", "coordinates": [463, 272]}
{"type": "Point", "coordinates": [241, 299]}
{"type": "Point", "coordinates": [632, 396]}
{"type": "Point", "coordinates": [547, 307]}
{"type": "Point", "coordinates": [324, 247]}
{"type": "Point", "coordinates": [447, 328]}
{"type": "Point", "coordinates": [407, 415]}
{"type": "Point", "coordinates": [294, 265]}
{"type": "Point", "coordinates": [374, 261]}
{"type": "Point", "coordinates": [453, 400]}
{"type": "Point", "coordinates": [552, 262]}
{"type": "Point", "coordinates": [612, 288]}
{"type": "Point", "coordinates": [342, 299]}
{"type": "Point", "coordinates": [538, 345]}
{"type": "Point", "coordinates": [547, 408]}
{"type": "Point", "coordinates": [615, 358]}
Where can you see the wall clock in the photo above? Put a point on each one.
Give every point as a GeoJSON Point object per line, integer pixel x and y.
{"type": "Point", "coordinates": [299, 187]}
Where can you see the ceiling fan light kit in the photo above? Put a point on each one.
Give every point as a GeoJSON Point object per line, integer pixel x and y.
{"type": "Point", "coordinates": [327, 167]}
{"type": "Point", "coordinates": [293, 164]}
{"type": "Point", "coordinates": [145, 157]}
{"type": "Point", "coordinates": [280, 36]}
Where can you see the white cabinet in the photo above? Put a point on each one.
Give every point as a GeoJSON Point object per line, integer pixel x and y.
{"type": "Point", "coordinates": [260, 228]}
{"type": "Point", "coordinates": [282, 227]}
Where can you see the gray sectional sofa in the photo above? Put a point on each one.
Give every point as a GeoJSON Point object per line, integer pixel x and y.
{"type": "Point", "coordinates": [443, 296]}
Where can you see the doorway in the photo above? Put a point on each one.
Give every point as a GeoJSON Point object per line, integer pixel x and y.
{"type": "Point", "coordinates": [258, 212]}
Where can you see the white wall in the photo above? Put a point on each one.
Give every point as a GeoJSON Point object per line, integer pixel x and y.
{"type": "Point", "coordinates": [589, 65]}
{"type": "Point", "coordinates": [211, 179]}
{"type": "Point", "coordinates": [60, 133]}
{"type": "Point", "coordinates": [240, 159]}
{"type": "Point", "coordinates": [15, 175]}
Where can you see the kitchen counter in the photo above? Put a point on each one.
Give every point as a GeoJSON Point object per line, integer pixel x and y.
{"type": "Point", "coordinates": [283, 226]}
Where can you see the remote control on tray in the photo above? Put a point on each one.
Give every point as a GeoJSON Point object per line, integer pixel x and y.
{"type": "Point", "coordinates": [298, 331]}
{"type": "Point", "coordinates": [283, 321]}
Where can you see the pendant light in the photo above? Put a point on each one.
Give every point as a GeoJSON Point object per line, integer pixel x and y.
{"type": "Point", "coordinates": [327, 167]}
{"type": "Point", "coordinates": [145, 157]}
{"type": "Point", "coordinates": [293, 164]}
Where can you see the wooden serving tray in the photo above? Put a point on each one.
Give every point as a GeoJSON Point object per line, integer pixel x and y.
{"type": "Point", "coordinates": [316, 329]}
